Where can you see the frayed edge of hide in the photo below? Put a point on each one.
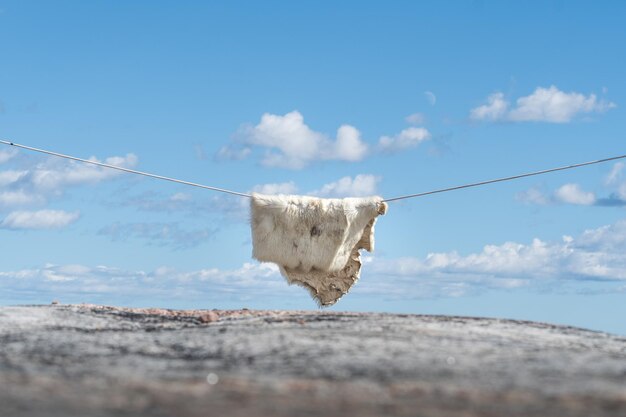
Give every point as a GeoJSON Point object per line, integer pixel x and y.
{"type": "Point", "coordinates": [325, 287]}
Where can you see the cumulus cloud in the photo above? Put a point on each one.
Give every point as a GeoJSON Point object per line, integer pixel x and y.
{"type": "Point", "coordinates": [80, 283]}
{"type": "Point", "coordinates": [6, 155]}
{"type": "Point", "coordinates": [10, 177]}
{"type": "Point", "coordinates": [360, 186]}
{"type": "Point", "coordinates": [495, 109]}
{"type": "Point", "coordinates": [19, 198]}
{"type": "Point", "coordinates": [543, 105]}
{"type": "Point", "coordinates": [290, 143]}
{"type": "Point", "coordinates": [276, 188]}
{"type": "Point", "coordinates": [408, 138]}
{"type": "Point", "coordinates": [41, 219]}
{"type": "Point", "coordinates": [533, 196]}
{"type": "Point", "coordinates": [570, 193]}
{"type": "Point", "coordinates": [234, 153]}
{"type": "Point", "coordinates": [159, 234]}
{"type": "Point", "coordinates": [54, 174]}
{"type": "Point", "coordinates": [48, 179]}
{"type": "Point", "coordinates": [553, 105]}
{"type": "Point", "coordinates": [180, 197]}
{"type": "Point", "coordinates": [573, 194]}
{"type": "Point", "coordinates": [595, 256]}
{"type": "Point", "coordinates": [349, 146]}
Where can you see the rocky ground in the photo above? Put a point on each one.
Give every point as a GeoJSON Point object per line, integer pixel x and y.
{"type": "Point", "coordinates": [86, 360]}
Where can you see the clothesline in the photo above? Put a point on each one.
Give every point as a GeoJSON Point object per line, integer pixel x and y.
{"type": "Point", "coordinates": [514, 177]}
{"type": "Point", "coordinates": [132, 171]}
{"type": "Point", "coordinates": [223, 190]}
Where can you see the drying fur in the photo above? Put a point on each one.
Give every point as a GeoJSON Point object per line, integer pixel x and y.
{"type": "Point", "coordinates": [315, 241]}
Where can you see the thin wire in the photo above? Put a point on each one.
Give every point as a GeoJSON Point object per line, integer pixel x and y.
{"type": "Point", "coordinates": [223, 190]}
{"type": "Point", "coordinates": [132, 171]}
{"type": "Point", "coordinates": [529, 174]}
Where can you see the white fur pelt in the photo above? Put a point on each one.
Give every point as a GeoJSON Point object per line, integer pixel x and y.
{"type": "Point", "coordinates": [315, 241]}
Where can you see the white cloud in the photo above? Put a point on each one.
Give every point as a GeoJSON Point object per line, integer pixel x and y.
{"type": "Point", "coordinates": [415, 118]}
{"type": "Point", "coordinates": [180, 197]}
{"type": "Point", "coordinates": [349, 146]}
{"type": "Point", "coordinates": [64, 273]}
{"type": "Point", "coordinates": [19, 198]}
{"type": "Point", "coordinates": [408, 138]}
{"type": "Point", "coordinates": [77, 282]}
{"type": "Point", "coordinates": [41, 219]}
{"type": "Point", "coordinates": [597, 254]}
{"type": "Point", "coordinates": [543, 105]}
{"type": "Point", "coordinates": [10, 177]}
{"type": "Point", "coordinates": [230, 152]}
{"type": "Point", "coordinates": [276, 188]}
{"type": "Point", "coordinates": [495, 109]}
{"type": "Point", "coordinates": [615, 175]}
{"type": "Point", "coordinates": [35, 185]}
{"type": "Point", "coordinates": [431, 97]}
{"type": "Point", "coordinates": [533, 196]}
{"type": "Point", "coordinates": [610, 240]}
{"type": "Point", "coordinates": [290, 143]}
{"type": "Point", "coordinates": [566, 194]}
{"type": "Point", "coordinates": [6, 155]}
{"type": "Point", "coordinates": [54, 174]}
{"type": "Point", "coordinates": [359, 186]}
{"type": "Point", "coordinates": [573, 194]}
{"type": "Point", "coordinates": [552, 105]}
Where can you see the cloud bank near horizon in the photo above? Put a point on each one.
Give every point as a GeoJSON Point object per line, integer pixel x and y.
{"type": "Point", "coordinates": [595, 256]}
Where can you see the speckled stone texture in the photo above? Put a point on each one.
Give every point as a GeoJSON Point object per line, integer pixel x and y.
{"type": "Point", "coordinates": [102, 361]}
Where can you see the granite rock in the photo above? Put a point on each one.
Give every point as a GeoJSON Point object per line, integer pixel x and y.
{"type": "Point", "coordinates": [87, 360]}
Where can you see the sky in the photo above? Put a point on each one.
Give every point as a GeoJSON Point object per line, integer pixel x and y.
{"type": "Point", "coordinates": [331, 99]}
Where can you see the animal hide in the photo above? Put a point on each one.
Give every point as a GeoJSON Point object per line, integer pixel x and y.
{"type": "Point", "coordinates": [315, 241]}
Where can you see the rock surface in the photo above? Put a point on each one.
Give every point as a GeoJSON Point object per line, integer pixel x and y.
{"type": "Point", "coordinates": [102, 361]}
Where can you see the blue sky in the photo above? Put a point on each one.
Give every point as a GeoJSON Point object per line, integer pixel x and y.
{"type": "Point", "coordinates": [319, 98]}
